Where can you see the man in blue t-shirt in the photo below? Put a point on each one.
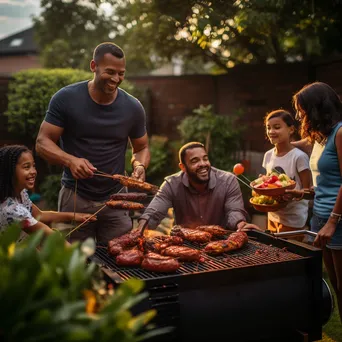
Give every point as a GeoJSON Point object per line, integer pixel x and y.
{"type": "Point", "coordinates": [93, 122]}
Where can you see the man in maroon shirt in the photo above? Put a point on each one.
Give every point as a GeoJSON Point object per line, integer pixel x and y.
{"type": "Point", "coordinates": [199, 194]}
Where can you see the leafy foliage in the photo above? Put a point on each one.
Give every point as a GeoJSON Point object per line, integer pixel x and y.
{"type": "Point", "coordinates": [31, 90]}
{"type": "Point", "coordinates": [219, 133]}
{"type": "Point", "coordinates": [155, 31]}
{"type": "Point", "coordinates": [50, 188]}
{"type": "Point", "coordinates": [160, 162]}
{"type": "Point", "coordinates": [81, 26]}
{"type": "Point", "coordinates": [227, 32]}
{"type": "Point", "coordinates": [54, 295]}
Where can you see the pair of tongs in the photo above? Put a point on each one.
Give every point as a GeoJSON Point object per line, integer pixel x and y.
{"type": "Point", "coordinates": [294, 233]}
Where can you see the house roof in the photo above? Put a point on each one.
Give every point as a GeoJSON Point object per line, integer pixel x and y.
{"type": "Point", "coordinates": [21, 43]}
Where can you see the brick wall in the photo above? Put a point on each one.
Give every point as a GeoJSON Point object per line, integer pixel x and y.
{"type": "Point", "coordinates": [254, 89]}
{"type": "Point", "coordinates": [330, 72]}
{"type": "Point", "coordinates": [174, 97]}
{"type": "Point", "coordinates": [11, 64]}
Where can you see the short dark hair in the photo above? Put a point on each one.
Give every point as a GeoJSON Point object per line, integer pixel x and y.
{"type": "Point", "coordinates": [321, 108]}
{"type": "Point", "coordinates": [188, 146]}
{"type": "Point", "coordinates": [283, 114]}
{"type": "Point", "coordinates": [107, 47]}
{"type": "Point", "coordinates": [9, 156]}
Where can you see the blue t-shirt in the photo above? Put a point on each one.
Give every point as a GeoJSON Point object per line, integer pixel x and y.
{"type": "Point", "coordinates": [96, 132]}
{"type": "Point", "coordinates": [326, 175]}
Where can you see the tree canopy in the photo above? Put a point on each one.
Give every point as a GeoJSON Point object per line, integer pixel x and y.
{"type": "Point", "coordinates": [222, 32]}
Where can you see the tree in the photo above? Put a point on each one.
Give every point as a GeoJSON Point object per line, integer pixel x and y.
{"type": "Point", "coordinates": [68, 31]}
{"type": "Point", "coordinates": [224, 32]}
{"type": "Point", "coordinates": [232, 32]}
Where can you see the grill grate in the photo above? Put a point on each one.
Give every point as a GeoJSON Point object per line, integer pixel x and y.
{"type": "Point", "coordinates": [254, 253]}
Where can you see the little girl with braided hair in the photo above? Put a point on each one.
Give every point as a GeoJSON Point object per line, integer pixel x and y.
{"type": "Point", "coordinates": [17, 175]}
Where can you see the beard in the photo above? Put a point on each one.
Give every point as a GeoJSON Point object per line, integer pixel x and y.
{"type": "Point", "coordinates": [195, 178]}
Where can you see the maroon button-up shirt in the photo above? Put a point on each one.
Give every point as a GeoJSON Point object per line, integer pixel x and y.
{"type": "Point", "coordinates": [221, 204]}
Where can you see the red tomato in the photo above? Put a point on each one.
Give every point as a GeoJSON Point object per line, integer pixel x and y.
{"type": "Point", "coordinates": [238, 169]}
{"type": "Point", "coordinates": [273, 179]}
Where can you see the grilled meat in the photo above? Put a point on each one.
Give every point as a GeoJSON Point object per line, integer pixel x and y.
{"type": "Point", "coordinates": [134, 183]}
{"type": "Point", "coordinates": [192, 235]}
{"type": "Point", "coordinates": [129, 196]}
{"type": "Point", "coordinates": [157, 244]}
{"type": "Point", "coordinates": [127, 205]}
{"type": "Point", "coordinates": [130, 257]}
{"type": "Point", "coordinates": [115, 249]}
{"type": "Point", "coordinates": [213, 230]}
{"type": "Point", "coordinates": [117, 245]}
{"type": "Point", "coordinates": [159, 263]}
{"type": "Point", "coordinates": [182, 253]}
{"type": "Point", "coordinates": [235, 241]}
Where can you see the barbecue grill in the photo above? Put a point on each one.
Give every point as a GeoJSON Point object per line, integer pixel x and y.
{"type": "Point", "coordinates": [270, 290]}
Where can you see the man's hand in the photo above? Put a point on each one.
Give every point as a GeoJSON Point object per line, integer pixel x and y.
{"type": "Point", "coordinates": [81, 168]}
{"type": "Point", "coordinates": [139, 172]}
{"type": "Point", "coordinates": [244, 226]}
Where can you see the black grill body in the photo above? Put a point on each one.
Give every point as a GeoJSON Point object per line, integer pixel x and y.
{"type": "Point", "coordinates": [269, 291]}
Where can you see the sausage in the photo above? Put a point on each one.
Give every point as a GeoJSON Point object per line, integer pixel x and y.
{"type": "Point", "coordinates": [162, 242]}
{"type": "Point", "coordinates": [130, 182]}
{"type": "Point", "coordinates": [115, 249]}
{"type": "Point", "coordinates": [158, 263]}
{"type": "Point", "coordinates": [182, 253]}
{"type": "Point", "coordinates": [127, 205]}
{"type": "Point", "coordinates": [130, 257]}
{"type": "Point", "coordinates": [213, 230]}
{"type": "Point", "coordinates": [235, 241]}
{"type": "Point", "coordinates": [129, 196]}
{"type": "Point", "coordinates": [192, 235]}
{"type": "Point", "coordinates": [127, 240]}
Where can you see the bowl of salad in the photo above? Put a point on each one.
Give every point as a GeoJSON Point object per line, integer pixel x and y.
{"type": "Point", "coordinates": [266, 204]}
{"type": "Point", "coordinates": [273, 184]}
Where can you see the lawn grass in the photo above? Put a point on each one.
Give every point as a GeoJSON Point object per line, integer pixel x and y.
{"type": "Point", "coordinates": [332, 331]}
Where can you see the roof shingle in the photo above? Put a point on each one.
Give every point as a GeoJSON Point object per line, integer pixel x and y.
{"type": "Point", "coordinates": [21, 43]}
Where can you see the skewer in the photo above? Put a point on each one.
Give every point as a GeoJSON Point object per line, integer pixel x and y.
{"type": "Point", "coordinates": [103, 175]}
{"type": "Point", "coordinates": [84, 222]}
{"type": "Point", "coordinates": [244, 182]}
{"type": "Point", "coordinates": [245, 178]}
{"type": "Point", "coordinates": [100, 204]}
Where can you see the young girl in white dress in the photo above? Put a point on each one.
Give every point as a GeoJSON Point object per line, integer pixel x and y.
{"type": "Point", "coordinates": [285, 158]}
{"type": "Point", "coordinates": [17, 175]}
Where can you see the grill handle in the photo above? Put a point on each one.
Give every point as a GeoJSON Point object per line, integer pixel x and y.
{"type": "Point", "coordinates": [295, 232]}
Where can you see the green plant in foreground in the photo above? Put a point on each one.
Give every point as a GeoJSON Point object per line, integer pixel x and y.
{"type": "Point", "coordinates": [54, 295]}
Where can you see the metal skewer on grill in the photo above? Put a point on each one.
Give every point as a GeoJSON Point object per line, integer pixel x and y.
{"type": "Point", "coordinates": [130, 182]}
